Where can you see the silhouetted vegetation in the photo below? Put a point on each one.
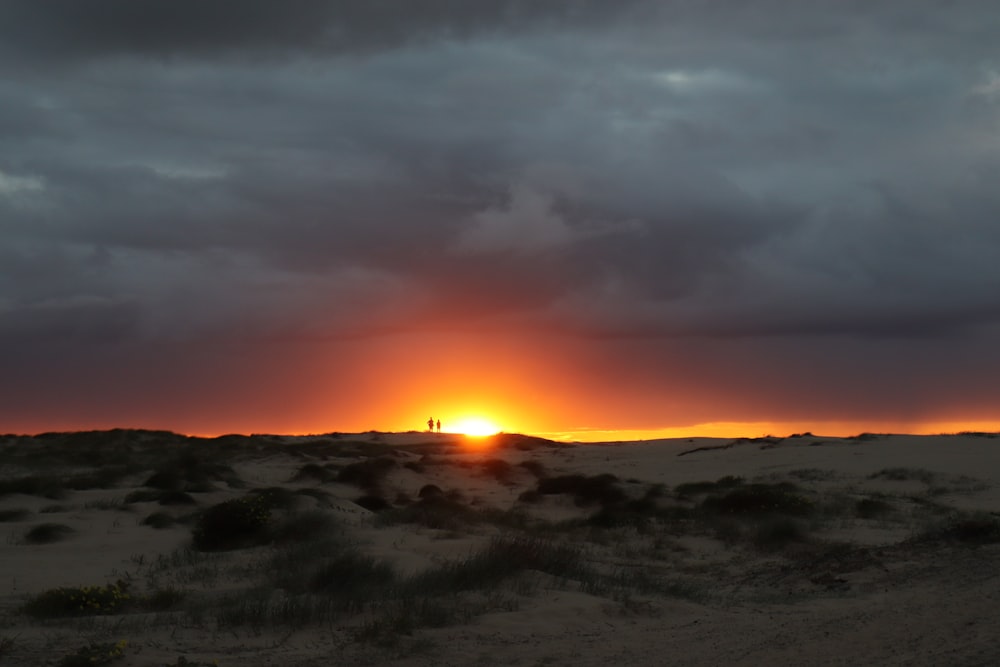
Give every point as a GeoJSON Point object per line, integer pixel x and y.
{"type": "Point", "coordinates": [373, 503]}
{"type": "Point", "coordinates": [16, 514]}
{"type": "Point", "coordinates": [691, 489]}
{"type": "Point", "coordinates": [870, 508]}
{"type": "Point", "coordinates": [47, 533]}
{"type": "Point", "coordinates": [595, 490]}
{"type": "Point", "coordinates": [780, 498]}
{"type": "Point", "coordinates": [972, 529]}
{"type": "Point", "coordinates": [367, 474]}
{"type": "Point", "coordinates": [159, 520]}
{"type": "Point", "coordinates": [233, 524]}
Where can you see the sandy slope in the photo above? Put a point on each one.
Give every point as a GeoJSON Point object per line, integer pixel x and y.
{"type": "Point", "coordinates": [894, 588]}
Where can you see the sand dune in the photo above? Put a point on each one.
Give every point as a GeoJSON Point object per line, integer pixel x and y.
{"type": "Point", "coordinates": [433, 549]}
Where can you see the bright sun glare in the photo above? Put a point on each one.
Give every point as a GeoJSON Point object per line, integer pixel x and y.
{"type": "Point", "coordinates": [476, 426]}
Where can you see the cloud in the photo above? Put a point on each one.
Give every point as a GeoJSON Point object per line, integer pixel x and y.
{"type": "Point", "coordinates": [64, 30]}
{"type": "Point", "coordinates": [526, 224]}
{"type": "Point", "coordinates": [611, 172]}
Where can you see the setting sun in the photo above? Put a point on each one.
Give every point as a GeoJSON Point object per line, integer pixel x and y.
{"type": "Point", "coordinates": [475, 426]}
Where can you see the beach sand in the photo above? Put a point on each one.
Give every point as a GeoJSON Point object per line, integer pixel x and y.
{"type": "Point", "coordinates": [435, 549]}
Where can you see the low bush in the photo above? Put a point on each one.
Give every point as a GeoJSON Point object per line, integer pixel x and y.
{"type": "Point", "coordinates": [871, 508]}
{"type": "Point", "coordinates": [233, 524]}
{"type": "Point", "coordinates": [503, 557]}
{"type": "Point", "coordinates": [176, 498]}
{"type": "Point", "coordinates": [534, 467]}
{"type": "Point", "coordinates": [973, 529]}
{"type": "Point", "coordinates": [777, 532]}
{"type": "Point", "coordinates": [46, 533]}
{"type": "Point", "coordinates": [34, 485]}
{"type": "Point", "coordinates": [17, 514]}
{"type": "Point", "coordinates": [163, 599]}
{"type": "Point", "coordinates": [373, 503]}
{"type": "Point", "coordinates": [367, 474]}
{"type": "Point", "coordinates": [598, 489]}
{"type": "Point", "coordinates": [430, 491]}
{"type": "Point", "coordinates": [353, 578]}
{"type": "Point", "coordinates": [691, 489]}
{"type": "Point", "coordinates": [498, 469]}
{"type": "Point", "coordinates": [438, 512]}
{"type": "Point", "coordinates": [159, 520]}
{"type": "Point", "coordinates": [278, 497]}
{"type": "Point", "coordinates": [95, 655]}
{"type": "Point", "coordinates": [531, 496]}
{"type": "Point", "coordinates": [303, 527]}
{"type": "Point", "coordinates": [756, 499]}
{"type": "Point", "coordinates": [315, 473]}
{"type": "Point", "coordinates": [143, 496]}
{"type": "Point", "coordinates": [904, 474]}
{"type": "Point", "coordinates": [78, 601]}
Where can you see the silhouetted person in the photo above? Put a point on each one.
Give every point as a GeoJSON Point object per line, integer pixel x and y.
{"type": "Point", "coordinates": [430, 424]}
{"type": "Point", "coordinates": [439, 426]}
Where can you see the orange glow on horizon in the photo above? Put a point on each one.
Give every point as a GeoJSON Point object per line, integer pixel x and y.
{"type": "Point", "coordinates": [476, 427]}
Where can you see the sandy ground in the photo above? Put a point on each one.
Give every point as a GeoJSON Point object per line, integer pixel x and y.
{"type": "Point", "coordinates": [877, 550]}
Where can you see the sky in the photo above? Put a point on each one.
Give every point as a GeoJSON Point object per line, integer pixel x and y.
{"type": "Point", "coordinates": [578, 218]}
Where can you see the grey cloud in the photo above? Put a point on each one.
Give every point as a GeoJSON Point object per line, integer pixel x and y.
{"type": "Point", "coordinates": [785, 172]}
{"type": "Point", "coordinates": [64, 29]}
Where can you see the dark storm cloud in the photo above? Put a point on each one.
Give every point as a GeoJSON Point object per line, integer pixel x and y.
{"type": "Point", "coordinates": [65, 29]}
{"type": "Point", "coordinates": [607, 169]}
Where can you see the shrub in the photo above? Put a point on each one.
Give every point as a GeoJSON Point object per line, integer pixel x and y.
{"type": "Point", "coordinates": [904, 474]}
{"type": "Point", "coordinates": [972, 529]}
{"type": "Point", "coordinates": [353, 577]}
{"type": "Point", "coordinates": [165, 480]}
{"type": "Point", "coordinates": [313, 472]}
{"type": "Point", "coordinates": [95, 655]}
{"type": "Point", "coordinates": [176, 498]}
{"type": "Point", "coordinates": [760, 499]}
{"type": "Point", "coordinates": [777, 532]}
{"type": "Point", "coordinates": [373, 503]}
{"type": "Point", "coordinates": [367, 474]}
{"type": "Point", "coordinates": [534, 467]}
{"type": "Point", "coordinates": [81, 601]}
{"type": "Point", "coordinates": [18, 514]}
{"type": "Point", "coordinates": [158, 520]}
{"type": "Point", "coordinates": [46, 533]}
{"type": "Point", "coordinates": [232, 525]}
{"type": "Point", "coordinates": [438, 512]}
{"type": "Point", "coordinates": [319, 495]}
{"type": "Point", "coordinates": [870, 508]}
{"type": "Point", "coordinates": [277, 497]}
{"type": "Point", "coordinates": [143, 496]}
{"type": "Point", "coordinates": [498, 469]}
{"type": "Point", "coordinates": [503, 557]}
{"type": "Point", "coordinates": [162, 599]}
{"type": "Point", "coordinates": [689, 489]}
{"type": "Point", "coordinates": [429, 491]}
{"type": "Point", "coordinates": [46, 487]}
{"type": "Point", "coordinates": [599, 489]}
{"type": "Point", "coordinates": [530, 496]}
{"type": "Point", "coordinates": [303, 527]}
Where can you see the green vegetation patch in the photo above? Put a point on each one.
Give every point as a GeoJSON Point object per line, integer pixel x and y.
{"type": "Point", "coordinates": [78, 601]}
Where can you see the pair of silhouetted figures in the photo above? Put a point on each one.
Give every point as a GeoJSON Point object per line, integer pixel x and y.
{"type": "Point", "coordinates": [430, 425]}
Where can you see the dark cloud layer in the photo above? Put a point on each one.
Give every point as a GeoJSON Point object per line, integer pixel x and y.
{"type": "Point", "coordinates": [634, 176]}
